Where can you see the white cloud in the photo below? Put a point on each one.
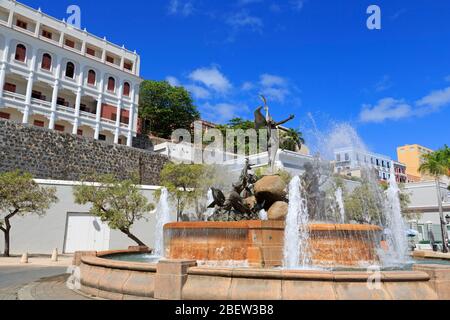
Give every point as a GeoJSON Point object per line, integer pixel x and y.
{"type": "Point", "coordinates": [435, 99]}
{"type": "Point", "coordinates": [247, 86]}
{"type": "Point", "coordinates": [270, 80]}
{"type": "Point", "coordinates": [222, 112]}
{"type": "Point", "coordinates": [385, 109]}
{"type": "Point", "coordinates": [211, 78]}
{"type": "Point", "coordinates": [242, 19]}
{"type": "Point", "coordinates": [173, 81]}
{"type": "Point", "coordinates": [180, 7]}
{"type": "Point", "coordinates": [198, 92]}
{"type": "Point", "coordinates": [274, 87]}
{"type": "Point", "coordinates": [393, 109]}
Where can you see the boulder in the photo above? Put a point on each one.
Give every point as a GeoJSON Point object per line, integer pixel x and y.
{"type": "Point", "coordinates": [270, 189]}
{"type": "Point", "coordinates": [278, 211]}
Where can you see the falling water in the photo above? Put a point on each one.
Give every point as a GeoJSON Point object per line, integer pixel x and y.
{"type": "Point", "coordinates": [296, 235]}
{"type": "Point", "coordinates": [209, 211]}
{"type": "Point", "coordinates": [395, 226]}
{"type": "Point", "coordinates": [263, 215]}
{"type": "Point", "coordinates": [162, 218]}
{"type": "Point", "coordinates": [340, 203]}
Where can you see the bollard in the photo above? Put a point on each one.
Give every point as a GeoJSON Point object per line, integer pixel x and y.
{"type": "Point", "coordinates": [24, 259]}
{"type": "Point", "coordinates": [55, 255]}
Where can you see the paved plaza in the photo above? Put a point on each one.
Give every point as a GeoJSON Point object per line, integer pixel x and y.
{"type": "Point", "coordinates": [40, 279]}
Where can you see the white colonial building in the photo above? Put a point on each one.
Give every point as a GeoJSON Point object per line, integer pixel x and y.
{"type": "Point", "coordinates": [56, 76]}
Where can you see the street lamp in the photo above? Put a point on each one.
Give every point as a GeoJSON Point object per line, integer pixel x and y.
{"type": "Point", "coordinates": [447, 218]}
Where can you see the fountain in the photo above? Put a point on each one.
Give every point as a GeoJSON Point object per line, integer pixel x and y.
{"type": "Point", "coordinates": [162, 218]}
{"type": "Point", "coordinates": [265, 239]}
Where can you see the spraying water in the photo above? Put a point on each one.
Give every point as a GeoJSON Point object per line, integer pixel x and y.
{"type": "Point", "coordinates": [340, 203]}
{"type": "Point", "coordinates": [263, 215]}
{"type": "Point", "coordinates": [209, 211]}
{"type": "Point", "coordinates": [162, 218]}
{"type": "Point", "coordinates": [296, 235]}
{"type": "Point", "coordinates": [395, 226]}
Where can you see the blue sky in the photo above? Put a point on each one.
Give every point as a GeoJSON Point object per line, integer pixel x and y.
{"type": "Point", "coordinates": [312, 58]}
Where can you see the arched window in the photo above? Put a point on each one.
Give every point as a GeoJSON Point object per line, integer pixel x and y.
{"type": "Point", "coordinates": [21, 53]}
{"type": "Point", "coordinates": [126, 89]}
{"type": "Point", "coordinates": [91, 77]}
{"type": "Point", "coordinates": [70, 70]}
{"type": "Point", "coordinates": [46, 61]}
{"type": "Point", "coordinates": [111, 84]}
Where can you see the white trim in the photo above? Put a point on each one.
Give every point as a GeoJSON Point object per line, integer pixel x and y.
{"type": "Point", "coordinates": [79, 183]}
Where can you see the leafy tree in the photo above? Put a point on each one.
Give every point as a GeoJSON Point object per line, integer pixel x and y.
{"type": "Point", "coordinates": [363, 206]}
{"type": "Point", "coordinates": [188, 184]}
{"type": "Point", "coordinates": [237, 124]}
{"type": "Point", "coordinates": [291, 140]}
{"type": "Point", "coordinates": [437, 165]}
{"type": "Point", "coordinates": [118, 203]}
{"type": "Point", "coordinates": [19, 196]}
{"type": "Point", "coordinates": [165, 108]}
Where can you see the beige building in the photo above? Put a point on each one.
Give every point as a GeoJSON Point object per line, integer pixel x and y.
{"type": "Point", "coordinates": [411, 156]}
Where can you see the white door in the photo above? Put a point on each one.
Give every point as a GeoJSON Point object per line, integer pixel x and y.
{"type": "Point", "coordinates": [86, 233]}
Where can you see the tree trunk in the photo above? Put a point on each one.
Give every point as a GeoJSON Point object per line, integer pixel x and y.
{"type": "Point", "coordinates": [7, 245]}
{"type": "Point", "coordinates": [134, 238]}
{"type": "Point", "coordinates": [442, 218]}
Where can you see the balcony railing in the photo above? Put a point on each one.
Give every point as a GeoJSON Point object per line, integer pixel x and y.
{"type": "Point", "coordinates": [13, 96]}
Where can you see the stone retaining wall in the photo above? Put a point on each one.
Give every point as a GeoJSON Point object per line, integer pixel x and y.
{"type": "Point", "coordinates": [48, 154]}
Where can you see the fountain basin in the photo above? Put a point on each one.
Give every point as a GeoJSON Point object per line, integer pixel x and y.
{"type": "Point", "coordinates": [260, 243]}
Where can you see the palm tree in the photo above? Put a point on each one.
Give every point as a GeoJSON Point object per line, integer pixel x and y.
{"type": "Point", "coordinates": [437, 165]}
{"type": "Point", "coordinates": [292, 140]}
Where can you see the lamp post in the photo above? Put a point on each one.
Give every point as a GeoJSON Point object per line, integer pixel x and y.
{"type": "Point", "coordinates": [447, 218]}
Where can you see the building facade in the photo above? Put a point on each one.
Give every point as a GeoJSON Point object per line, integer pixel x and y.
{"type": "Point", "coordinates": [411, 155]}
{"type": "Point", "coordinates": [350, 161]}
{"type": "Point", "coordinates": [56, 76]}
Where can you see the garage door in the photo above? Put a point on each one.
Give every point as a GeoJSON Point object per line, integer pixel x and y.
{"type": "Point", "coordinates": [86, 233]}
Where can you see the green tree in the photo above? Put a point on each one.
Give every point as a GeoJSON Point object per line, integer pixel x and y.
{"type": "Point", "coordinates": [21, 195]}
{"type": "Point", "coordinates": [238, 124]}
{"type": "Point", "coordinates": [437, 165]}
{"type": "Point", "coordinates": [291, 140]}
{"type": "Point", "coordinates": [165, 108]}
{"type": "Point", "coordinates": [118, 203]}
{"type": "Point", "coordinates": [362, 205]}
{"type": "Point", "coordinates": [187, 184]}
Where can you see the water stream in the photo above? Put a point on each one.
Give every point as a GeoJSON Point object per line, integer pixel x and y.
{"type": "Point", "coordinates": [162, 218]}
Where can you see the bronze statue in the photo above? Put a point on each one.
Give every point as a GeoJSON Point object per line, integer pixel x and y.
{"type": "Point", "coordinates": [267, 122]}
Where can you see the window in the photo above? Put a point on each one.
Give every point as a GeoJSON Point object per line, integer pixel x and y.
{"type": "Point", "coordinates": [128, 66]}
{"type": "Point", "coordinates": [111, 84]}
{"type": "Point", "coordinates": [389, 165]}
{"type": "Point", "coordinates": [38, 123]}
{"type": "Point", "coordinates": [347, 157]}
{"type": "Point", "coordinates": [21, 53]}
{"type": "Point", "coordinates": [70, 70]}
{"type": "Point", "coordinates": [70, 43]}
{"type": "Point", "coordinates": [113, 116]}
{"type": "Point", "coordinates": [62, 102]}
{"type": "Point", "coordinates": [109, 59]}
{"type": "Point", "coordinates": [47, 34]}
{"type": "Point", "coordinates": [80, 132]}
{"type": "Point", "coordinates": [37, 95]}
{"type": "Point", "coordinates": [101, 137]}
{"type": "Point", "coordinates": [10, 87]}
{"type": "Point", "coordinates": [125, 120]}
{"type": "Point", "coordinates": [91, 77]}
{"type": "Point", "coordinates": [22, 24]}
{"type": "Point", "coordinates": [4, 115]}
{"type": "Point", "coordinates": [378, 162]}
{"type": "Point", "coordinates": [59, 128]}
{"type": "Point", "coordinates": [126, 89]}
{"type": "Point", "coordinates": [90, 52]}
{"type": "Point", "coordinates": [338, 158]}
{"type": "Point", "coordinates": [46, 62]}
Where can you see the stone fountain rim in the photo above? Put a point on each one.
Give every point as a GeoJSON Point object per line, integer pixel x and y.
{"type": "Point", "coordinates": [259, 224]}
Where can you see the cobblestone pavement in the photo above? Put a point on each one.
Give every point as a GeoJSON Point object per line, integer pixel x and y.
{"type": "Point", "coordinates": [35, 283]}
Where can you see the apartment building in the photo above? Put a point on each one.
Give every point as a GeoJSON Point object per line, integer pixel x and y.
{"type": "Point", "coordinates": [412, 155]}
{"type": "Point", "coordinates": [350, 161]}
{"type": "Point", "coordinates": [56, 76]}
